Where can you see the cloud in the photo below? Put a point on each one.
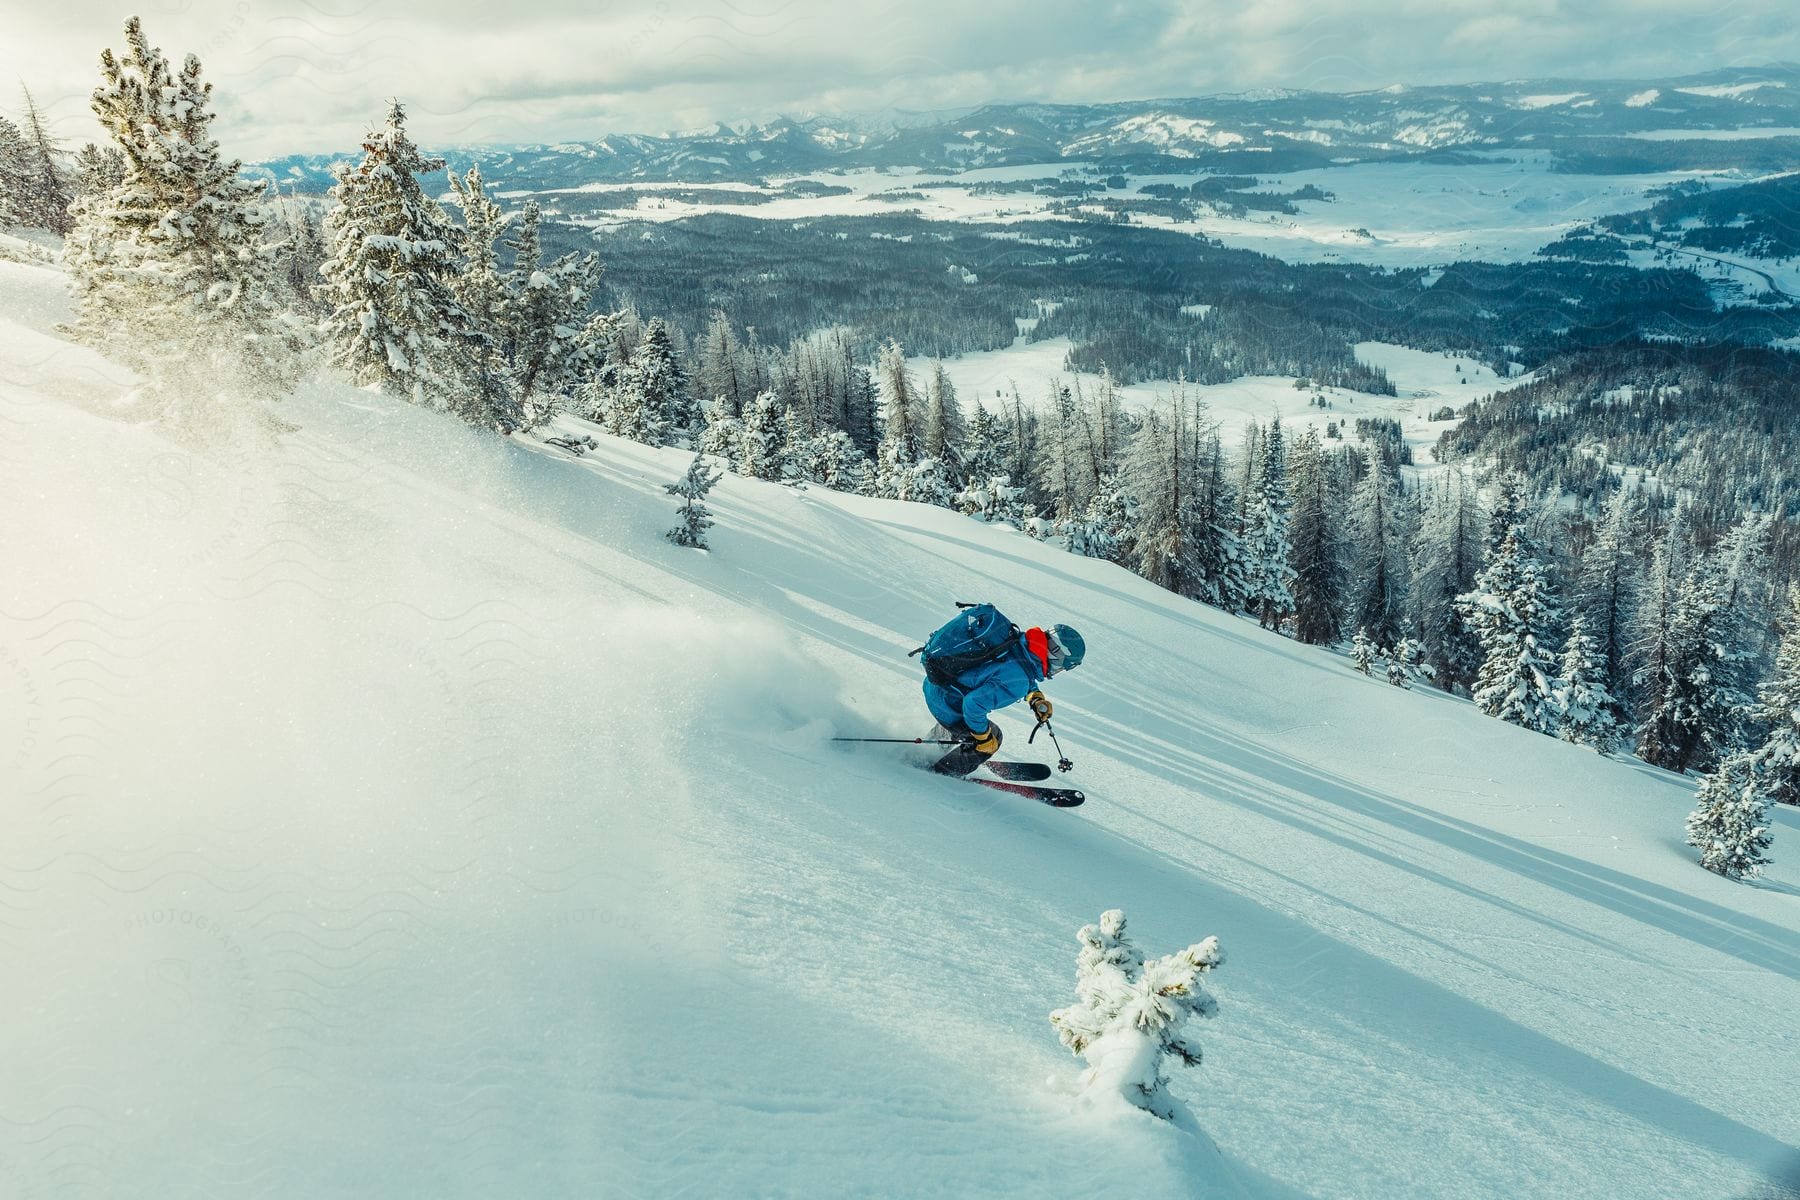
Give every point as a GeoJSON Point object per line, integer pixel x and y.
{"type": "Point", "coordinates": [307, 76]}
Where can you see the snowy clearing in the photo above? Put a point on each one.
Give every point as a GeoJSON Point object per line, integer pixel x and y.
{"type": "Point", "coordinates": [1732, 90]}
{"type": "Point", "coordinates": [1735, 278]}
{"type": "Point", "coordinates": [1547, 101]}
{"type": "Point", "coordinates": [1717, 135]}
{"type": "Point", "coordinates": [1405, 214]}
{"type": "Point", "coordinates": [1426, 382]}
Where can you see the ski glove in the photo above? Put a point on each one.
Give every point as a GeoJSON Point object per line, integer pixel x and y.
{"type": "Point", "coordinates": [1039, 706]}
{"type": "Point", "coordinates": [987, 741]}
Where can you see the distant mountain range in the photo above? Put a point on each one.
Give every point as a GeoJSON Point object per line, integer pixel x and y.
{"type": "Point", "coordinates": [1601, 125]}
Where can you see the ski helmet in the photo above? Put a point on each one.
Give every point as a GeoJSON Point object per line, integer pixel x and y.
{"type": "Point", "coordinates": [1066, 648]}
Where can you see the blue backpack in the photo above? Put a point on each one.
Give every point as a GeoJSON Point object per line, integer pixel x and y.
{"type": "Point", "coordinates": [974, 637]}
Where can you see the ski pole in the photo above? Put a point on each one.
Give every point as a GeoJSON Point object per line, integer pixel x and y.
{"type": "Point", "coordinates": [901, 741]}
{"type": "Point", "coordinates": [1062, 760]}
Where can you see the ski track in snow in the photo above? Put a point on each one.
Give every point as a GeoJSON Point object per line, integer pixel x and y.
{"type": "Point", "coordinates": [393, 812]}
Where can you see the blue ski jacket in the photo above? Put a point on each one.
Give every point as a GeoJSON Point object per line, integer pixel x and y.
{"type": "Point", "coordinates": [1006, 680]}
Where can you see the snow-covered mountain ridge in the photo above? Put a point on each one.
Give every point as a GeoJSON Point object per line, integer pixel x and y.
{"type": "Point", "coordinates": [1250, 132]}
{"type": "Point", "coordinates": [392, 811]}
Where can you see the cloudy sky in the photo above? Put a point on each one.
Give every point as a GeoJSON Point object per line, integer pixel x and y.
{"type": "Point", "coordinates": [305, 76]}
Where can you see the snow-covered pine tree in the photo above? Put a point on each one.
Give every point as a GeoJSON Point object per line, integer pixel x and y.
{"type": "Point", "coordinates": [1743, 558]}
{"type": "Point", "coordinates": [1076, 464]}
{"type": "Point", "coordinates": [481, 292]}
{"type": "Point", "coordinates": [1022, 450]}
{"type": "Point", "coordinates": [15, 172]}
{"type": "Point", "coordinates": [817, 384]}
{"type": "Point", "coordinates": [757, 376]}
{"type": "Point", "coordinates": [1741, 637]}
{"type": "Point", "coordinates": [1105, 529]}
{"type": "Point", "coordinates": [1697, 713]}
{"type": "Point", "coordinates": [1221, 561]}
{"type": "Point", "coordinates": [793, 386]}
{"type": "Point", "coordinates": [945, 431]}
{"type": "Point", "coordinates": [1271, 573]}
{"type": "Point", "coordinates": [1585, 709]}
{"type": "Point", "coordinates": [724, 434]}
{"type": "Point", "coordinates": [994, 499]}
{"type": "Point", "coordinates": [552, 342]}
{"type": "Point", "coordinates": [1250, 463]}
{"type": "Point", "coordinates": [1130, 1015]}
{"type": "Point", "coordinates": [762, 453]}
{"type": "Point", "coordinates": [1778, 711]}
{"type": "Point", "coordinates": [805, 456]}
{"type": "Point", "coordinates": [984, 447]}
{"type": "Point", "coordinates": [830, 458]}
{"type": "Point", "coordinates": [300, 253]}
{"type": "Point", "coordinates": [833, 360]}
{"type": "Point", "coordinates": [1362, 651]}
{"type": "Point", "coordinates": [717, 371]}
{"type": "Point", "coordinates": [1157, 476]}
{"type": "Point", "coordinates": [1523, 690]}
{"type": "Point", "coordinates": [1511, 507]}
{"type": "Point", "coordinates": [796, 435]}
{"type": "Point", "coordinates": [1378, 544]}
{"type": "Point", "coordinates": [1108, 426]}
{"type": "Point", "coordinates": [1318, 554]}
{"type": "Point", "coordinates": [846, 468]}
{"type": "Point", "coordinates": [612, 339]}
{"type": "Point", "coordinates": [1730, 821]}
{"type": "Point", "coordinates": [35, 186]}
{"type": "Point", "coordinates": [1065, 465]}
{"type": "Point", "coordinates": [527, 293]}
{"type": "Point", "coordinates": [1606, 597]}
{"type": "Point", "coordinates": [903, 419]}
{"type": "Point", "coordinates": [1655, 658]}
{"type": "Point", "coordinates": [394, 321]}
{"type": "Point", "coordinates": [169, 267]}
{"type": "Point", "coordinates": [695, 517]}
{"type": "Point", "coordinates": [1097, 427]}
{"type": "Point", "coordinates": [48, 191]}
{"type": "Point", "coordinates": [661, 381]}
{"type": "Point", "coordinates": [1512, 613]}
{"type": "Point", "coordinates": [927, 483]}
{"type": "Point", "coordinates": [643, 396]}
{"type": "Point", "coordinates": [861, 400]}
{"type": "Point", "coordinates": [1406, 662]}
{"type": "Point", "coordinates": [1446, 558]}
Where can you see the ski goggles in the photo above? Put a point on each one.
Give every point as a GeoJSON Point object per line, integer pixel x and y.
{"type": "Point", "coordinates": [1058, 656]}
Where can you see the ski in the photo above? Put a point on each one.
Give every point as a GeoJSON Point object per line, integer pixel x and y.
{"type": "Point", "coordinates": [1018, 772]}
{"type": "Point", "coordinates": [1054, 797]}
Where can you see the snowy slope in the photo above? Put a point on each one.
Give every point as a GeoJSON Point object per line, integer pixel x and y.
{"type": "Point", "coordinates": [392, 812]}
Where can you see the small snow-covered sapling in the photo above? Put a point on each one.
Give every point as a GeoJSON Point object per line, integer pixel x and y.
{"type": "Point", "coordinates": [1130, 1015]}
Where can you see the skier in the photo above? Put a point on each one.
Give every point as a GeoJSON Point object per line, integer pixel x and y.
{"type": "Point", "coordinates": [962, 703]}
